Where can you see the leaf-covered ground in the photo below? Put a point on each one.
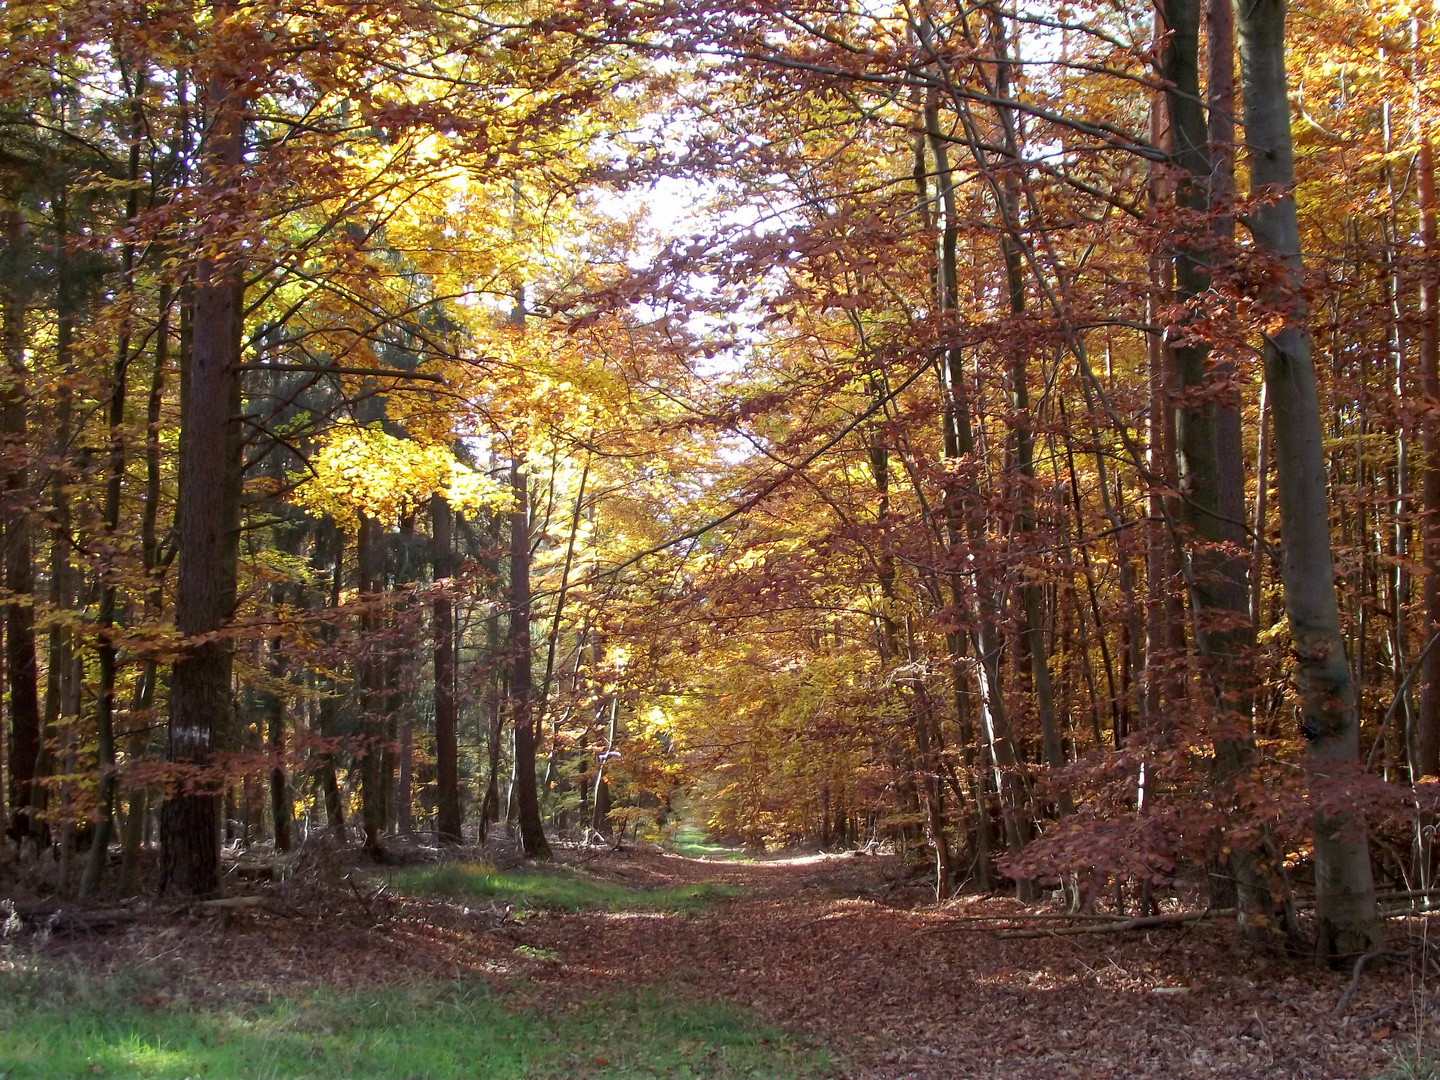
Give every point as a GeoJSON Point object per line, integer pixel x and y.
{"type": "Point", "coordinates": [855, 973]}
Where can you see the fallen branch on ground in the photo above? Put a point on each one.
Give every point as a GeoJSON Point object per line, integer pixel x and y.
{"type": "Point", "coordinates": [967, 922]}
{"type": "Point", "coordinates": [1365, 958]}
{"type": "Point", "coordinates": [230, 903]}
{"type": "Point", "coordinates": [1400, 913]}
{"type": "Point", "coordinates": [1146, 922]}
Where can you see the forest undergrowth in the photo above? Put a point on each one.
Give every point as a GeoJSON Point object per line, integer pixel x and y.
{"type": "Point", "coordinates": [643, 963]}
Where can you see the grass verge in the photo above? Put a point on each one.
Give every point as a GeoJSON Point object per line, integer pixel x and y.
{"type": "Point", "coordinates": [1410, 1065]}
{"type": "Point", "coordinates": [694, 844]}
{"type": "Point", "coordinates": [52, 1027]}
{"type": "Point", "coordinates": [549, 887]}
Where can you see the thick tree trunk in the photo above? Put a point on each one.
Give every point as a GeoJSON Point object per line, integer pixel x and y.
{"type": "Point", "coordinates": [20, 672]}
{"type": "Point", "coordinates": [200, 691]}
{"type": "Point", "coordinates": [442, 618]}
{"type": "Point", "coordinates": [1428, 720]}
{"type": "Point", "coordinates": [209, 476]}
{"type": "Point", "coordinates": [1345, 890]}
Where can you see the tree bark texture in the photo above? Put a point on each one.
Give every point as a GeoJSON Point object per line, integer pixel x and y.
{"type": "Point", "coordinates": [1345, 890]}
{"type": "Point", "coordinates": [200, 690]}
{"type": "Point", "coordinates": [207, 514]}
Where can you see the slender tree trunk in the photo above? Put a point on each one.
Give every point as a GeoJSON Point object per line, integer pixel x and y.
{"type": "Point", "coordinates": [1031, 592]}
{"type": "Point", "coordinates": [964, 521]}
{"type": "Point", "coordinates": [399, 719]}
{"type": "Point", "coordinates": [405, 783]}
{"type": "Point", "coordinates": [532, 831]}
{"type": "Point", "coordinates": [442, 618]}
{"type": "Point", "coordinates": [1207, 434]}
{"type": "Point", "coordinates": [115, 475]}
{"type": "Point", "coordinates": [144, 697]}
{"type": "Point", "coordinates": [61, 591]}
{"type": "Point", "coordinates": [1345, 890]}
{"type": "Point", "coordinates": [330, 550]}
{"type": "Point", "coordinates": [943, 278]}
{"type": "Point", "coordinates": [1160, 423]}
{"type": "Point", "coordinates": [371, 744]}
{"type": "Point", "coordinates": [601, 799]}
{"type": "Point", "coordinates": [495, 714]}
{"type": "Point", "coordinates": [282, 807]}
{"type": "Point", "coordinates": [1258, 550]}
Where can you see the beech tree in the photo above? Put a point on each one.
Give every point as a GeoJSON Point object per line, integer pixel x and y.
{"type": "Point", "coordinates": [1345, 891]}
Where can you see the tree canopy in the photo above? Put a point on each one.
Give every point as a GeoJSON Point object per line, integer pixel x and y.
{"type": "Point", "coordinates": [1005, 432]}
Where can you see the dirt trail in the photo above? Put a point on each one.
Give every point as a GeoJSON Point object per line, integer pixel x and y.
{"type": "Point", "coordinates": [826, 947]}
{"type": "Point", "coordinates": [835, 949]}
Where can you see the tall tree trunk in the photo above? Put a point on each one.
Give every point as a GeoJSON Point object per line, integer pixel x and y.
{"type": "Point", "coordinates": [1345, 889]}
{"type": "Point", "coordinates": [370, 749]}
{"type": "Point", "coordinates": [532, 831]}
{"type": "Point", "coordinates": [599, 820]}
{"type": "Point", "coordinates": [1428, 720]}
{"type": "Point", "coordinates": [1207, 432]}
{"type": "Point", "coordinates": [494, 695]}
{"type": "Point", "coordinates": [200, 691]}
{"type": "Point", "coordinates": [399, 721]}
{"type": "Point", "coordinates": [1160, 450]}
{"type": "Point", "coordinates": [205, 585]}
{"type": "Point", "coordinates": [282, 807]}
{"type": "Point", "coordinates": [944, 278]}
{"type": "Point", "coordinates": [330, 550]}
{"type": "Point", "coordinates": [20, 670]}
{"type": "Point", "coordinates": [1032, 596]}
{"type": "Point", "coordinates": [144, 697]}
{"type": "Point", "coordinates": [442, 618]}
{"type": "Point", "coordinates": [58, 645]}
{"type": "Point", "coordinates": [964, 522]}
{"type": "Point", "coordinates": [110, 522]}
{"type": "Point", "coordinates": [206, 526]}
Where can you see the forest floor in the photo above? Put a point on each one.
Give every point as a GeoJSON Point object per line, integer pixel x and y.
{"type": "Point", "coordinates": [642, 963]}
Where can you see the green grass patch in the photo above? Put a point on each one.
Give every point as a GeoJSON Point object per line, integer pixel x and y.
{"type": "Point", "coordinates": [1409, 1065]}
{"type": "Point", "coordinates": [51, 1028]}
{"type": "Point", "coordinates": [692, 842]}
{"type": "Point", "coordinates": [549, 887]}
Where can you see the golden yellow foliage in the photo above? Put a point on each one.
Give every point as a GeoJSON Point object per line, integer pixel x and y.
{"type": "Point", "coordinates": [364, 470]}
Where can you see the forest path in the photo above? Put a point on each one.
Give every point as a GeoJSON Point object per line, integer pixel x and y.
{"type": "Point", "coordinates": [838, 949]}
{"type": "Point", "coordinates": [841, 952]}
